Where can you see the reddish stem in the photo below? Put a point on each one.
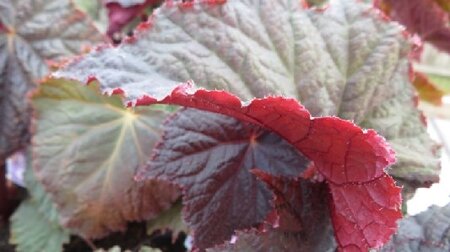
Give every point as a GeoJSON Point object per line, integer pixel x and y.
{"type": "Point", "coordinates": [3, 194]}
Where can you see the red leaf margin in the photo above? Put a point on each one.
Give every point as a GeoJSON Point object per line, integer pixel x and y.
{"type": "Point", "coordinates": [352, 160]}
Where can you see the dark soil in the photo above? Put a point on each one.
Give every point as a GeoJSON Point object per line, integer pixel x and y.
{"type": "Point", "coordinates": [135, 237]}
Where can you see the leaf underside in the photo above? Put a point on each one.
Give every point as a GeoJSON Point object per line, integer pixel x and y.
{"type": "Point", "coordinates": [87, 148]}
{"type": "Point", "coordinates": [344, 60]}
{"type": "Point", "coordinates": [210, 155]}
{"type": "Point", "coordinates": [33, 32]}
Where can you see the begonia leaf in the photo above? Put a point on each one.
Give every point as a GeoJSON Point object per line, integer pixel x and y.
{"type": "Point", "coordinates": [210, 155]}
{"type": "Point", "coordinates": [40, 197]}
{"type": "Point", "coordinates": [86, 150]}
{"type": "Point", "coordinates": [35, 224]}
{"type": "Point", "coordinates": [352, 204]}
{"type": "Point", "coordinates": [344, 60]}
{"type": "Point", "coordinates": [267, 241]}
{"type": "Point", "coordinates": [31, 33]}
{"type": "Point", "coordinates": [32, 231]}
{"type": "Point", "coordinates": [352, 160]}
{"type": "Point", "coordinates": [428, 231]}
{"type": "Point", "coordinates": [301, 212]}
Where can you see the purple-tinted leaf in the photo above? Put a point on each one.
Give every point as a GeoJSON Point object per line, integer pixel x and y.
{"type": "Point", "coordinates": [344, 60]}
{"type": "Point", "coordinates": [427, 232]}
{"type": "Point", "coordinates": [304, 223]}
{"type": "Point", "coordinates": [302, 210]}
{"type": "Point", "coordinates": [267, 241]}
{"type": "Point", "coordinates": [352, 160]}
{"type": "Point", "coordinates": [32, 32]}
{"type": "Point", "coordinates": [210, 156]}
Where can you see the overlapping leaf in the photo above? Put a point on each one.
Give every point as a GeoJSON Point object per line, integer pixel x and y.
{"type": "Point", "coordinates": [210, 156]}
{"type": "Point", "coordinates": [303, 217]}
{"type": "Point", "coordinates": [352, 204]}
{"type": "Point", "coordinates": [86, 151]}
{"type": "Point", "coordinates": [32, 32]}
{"type": "Point", "coordinates": [350, 159]}
{"type": "Point", "coordinates": [428, 232]}
{"type": "Point", "coordinates": [342, 61]}
{"type": "Point", "coordinates": [35, 224]}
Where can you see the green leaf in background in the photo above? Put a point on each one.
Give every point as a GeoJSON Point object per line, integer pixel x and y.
{"type": "Point", "coordinates": [32, 231]}
{"type": "Point", "coordinates": [95, 10]}
{"type": "Point", "coordinates": [427, 90]}
{"type": "Point", "coordinates": [171, 219]}
{"type": "Point", "coordinates": [442, 80]}
{"type": "Point", "coordinates": [436, 65]}
{"type": "Point", "coordinates": [35, 224]}
{"type": "Point", "coordinates": [87, 148]}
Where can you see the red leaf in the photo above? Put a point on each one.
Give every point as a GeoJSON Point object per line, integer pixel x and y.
{"type": "Point", "coordinates": [424, 17]}
{"type": "Point", "coordinates": [341, 151]}
{"type": "Point", "coordinates": [364, 215]}
{"type": "Point", "coordinates": [120, 14]}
